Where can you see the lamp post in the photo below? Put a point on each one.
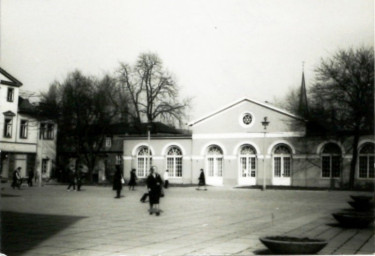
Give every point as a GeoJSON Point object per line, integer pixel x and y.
{"type": "Point", "coordinates": [265, 123]}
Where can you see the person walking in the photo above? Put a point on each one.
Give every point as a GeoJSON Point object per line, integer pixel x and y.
{"type": "Point", "coordinates": [133, 180]}
{"type": "Point", "coordinates": [79, 178]}
{"type": "Point", "coordinates": [166, 179]}
{"type": "Point", "coordinates": [17, 181]}
{"type": "Point", "coordinates": [154, 185]}
{"type": "Point", "coordinates": [202, 181]}
{"type": "Point", "coordinates": [72, 178]}
{"type": "Point", "coordinates": [30, 178]}
{"type": "Point", "coordinates": [117, 181]}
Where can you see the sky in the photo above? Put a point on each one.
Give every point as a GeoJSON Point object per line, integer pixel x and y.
{"type": "Point", "coordinates": [217, 50]}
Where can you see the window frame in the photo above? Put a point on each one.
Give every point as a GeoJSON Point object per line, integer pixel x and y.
{"type": "Point", "coordinates": [44, 166]}
{"type": "Point", "coordinates": [285, 166]}
{"type": "Point", "coordinates": [24, 128]}
{"type": "Point", "coordinates": [10, 94]}
{"type": "Point", "coordinates": [46, 131]}
{"type": "Point", "coordinates": [331, 157]}
{"type": "Point", "coordinates": [118, 159]}
{"type": "Point", "coordinates": [368, 157]}
{"type": "Point", "coordinates": [250, 160]}
{"type": "Point", "coordinates": [175, 170]}
{"type": "Point", "coordinates": [216, 161]}
{"type": "Point", "coordinates": [8, 127]}
{"type": "Point", "coordinates": [146, 158]}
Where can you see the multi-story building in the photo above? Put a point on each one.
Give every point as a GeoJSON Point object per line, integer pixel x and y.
{"type": "Point", "coordinates": [26, 140]}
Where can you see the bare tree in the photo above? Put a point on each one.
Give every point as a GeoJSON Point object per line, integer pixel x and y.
{"type": "Point", "coordinates": [152, 91]}
{"type": "Point", "coordinates": [344, 96]}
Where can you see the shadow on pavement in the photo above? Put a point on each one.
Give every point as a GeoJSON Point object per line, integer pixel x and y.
{"type": "Point", "coordinates": [21, 232]}
{"type": "Point", "coordinates": [262, 252]}
{"type": "Point", "coordinates": [8, 195]}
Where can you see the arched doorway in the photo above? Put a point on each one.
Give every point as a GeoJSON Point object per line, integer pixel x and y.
{"type": "Point", "coordinates": [174, 162]}
{"type": "Point", "coordinates": [366, 162]}
{"type": "Point", "coordinates": [214, 165]}
{"type": "Point", "coordinates": [247, 165]}
{"type": "Point", "coordinates": [282, 165]}
{"type": "Point", "coordinates": [331, 161]}
{"type": "Point", "coordinates": [144, 161]}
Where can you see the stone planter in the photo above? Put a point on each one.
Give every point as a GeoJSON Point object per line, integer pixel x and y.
{"type": "Point", "coordinates": [362, 205]}
{"type": "Point", "coordinates": [354, 219]}
{"type": "Point", "coordinates": [363, 199]}
{"type": "Point", "coordinates": [292, 245]}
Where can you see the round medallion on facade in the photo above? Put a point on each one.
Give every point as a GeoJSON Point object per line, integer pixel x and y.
{"type": "Point", "coordinates": [247, 119]}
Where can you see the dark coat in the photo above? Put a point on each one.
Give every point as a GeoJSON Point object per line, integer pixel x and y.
{"type": "Point", "coordinates": [133, 178]}
{"type": "Point", "coordinates": [202, 179]}
{"type": "Point", "coordinates": [117, 185]}
{"type": "Point", "coordinates": [154, 184]}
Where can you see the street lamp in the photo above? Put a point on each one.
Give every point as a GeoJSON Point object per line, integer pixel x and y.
{"type": "Point", "coordinates": [265, 123]}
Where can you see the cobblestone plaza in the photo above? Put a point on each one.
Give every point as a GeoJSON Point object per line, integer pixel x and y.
{"type": "Point", "coordinates": [50, 220]}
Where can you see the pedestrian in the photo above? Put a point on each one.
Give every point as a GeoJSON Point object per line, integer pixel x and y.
{"type": "Point", "coordinates": [17, 181]}
{"type": "Point", "coordinates": [118, 181]}
{"type": "Point", "coordinates": [202, 181]}
{"type": "Point", "coordinates": [72, 178]}
{"type": "Point", "coordinates": [30, 178]}
{"type": "Point", "coordinates": [79, 178]}
{"type": "Point", "coordinates": [144, 196]}
{"type": "Point", "coordinates": [154, 185]}
{"type": "Point", "coordinates": [166, 177]}
{"type": "Point", "coordinates": [133, 179]}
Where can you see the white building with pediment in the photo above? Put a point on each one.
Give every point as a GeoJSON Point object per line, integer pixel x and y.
{"type": "Point", "coordinates": [234, 148]}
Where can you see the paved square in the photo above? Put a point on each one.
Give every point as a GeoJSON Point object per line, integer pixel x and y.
{"type": "Point", "coordinates": [221, 221]}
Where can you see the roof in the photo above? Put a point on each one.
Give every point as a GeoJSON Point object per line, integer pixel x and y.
{"type": "Point", "coordinates": [141, 129]}
{"type": "Point", "coordinates": [266, 105]}
{"type": "Point", "coordinates": [25, 107]}
{"type": "Point", "coordinates": [13, 81]}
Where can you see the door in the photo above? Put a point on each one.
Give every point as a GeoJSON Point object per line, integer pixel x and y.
{"type": "Point", "coordinates": [281, 175]}
{"type": "Point", "coordinates": [247, 166]}
{"type": "Point", "coordinates": [247, 171]}
{"type": "Point", "coordinates": [214, 166]}
{"type": "Point", "coordinates": [282, 162]}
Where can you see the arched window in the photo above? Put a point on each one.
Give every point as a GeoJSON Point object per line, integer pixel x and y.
{"type": "Point", "coordinates": [248, 161]}
{"type": "Point", "coordinates": [215, 161]}
{"type": "Point", "coordinates": [144, 161]}
{"type": "Point", "coordinates": [174, 162]}
{"type": "Point", "coordinates": [366, 161]}
{"type": "Point", "coordinates": [331, 161]}
{"type": "Point", "coordinates": [282, 161]}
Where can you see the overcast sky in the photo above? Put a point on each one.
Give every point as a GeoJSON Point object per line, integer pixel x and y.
{"type": "Point", "coordinates": [219, 51]}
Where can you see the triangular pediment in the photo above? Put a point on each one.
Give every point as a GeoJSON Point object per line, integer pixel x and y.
{"type": "Point", "coordinates": [242, 100]}
{"type": "Point", "coordinates": [9, 113]}
{"type": "Point", "coordinates": [8, 79]}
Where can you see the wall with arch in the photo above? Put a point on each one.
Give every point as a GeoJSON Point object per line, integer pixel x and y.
{"type": "Point", "coordinates": [305, 153]}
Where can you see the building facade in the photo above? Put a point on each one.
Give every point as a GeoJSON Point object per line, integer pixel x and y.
{"type": "Point", "coordinates": [250, 143]}
{"type": "Point", "coordinates": [25, 141]}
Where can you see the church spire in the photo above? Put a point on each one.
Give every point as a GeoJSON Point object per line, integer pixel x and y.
{"type": "Point", "coordinates": [303, 108]}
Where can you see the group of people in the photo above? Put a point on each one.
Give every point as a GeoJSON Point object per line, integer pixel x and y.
{"type": "Point", "coordinates": [75, 178]}
{"type": "Point", "coordinates": [17, 178]}
{"type": "Point", "coordinates": [154, 184]}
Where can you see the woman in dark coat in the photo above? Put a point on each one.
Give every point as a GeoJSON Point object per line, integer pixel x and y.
{"type": "Point", "coordinates": [117, 181]}
{"type": "Point", "coordinates": [132, 181]}
{"type": "Point", "coordinates": [17, 178]}
{"type": "Point", "coordinates": [202, 181]}
{"type": "Point", "coordinates": [154, 185]}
